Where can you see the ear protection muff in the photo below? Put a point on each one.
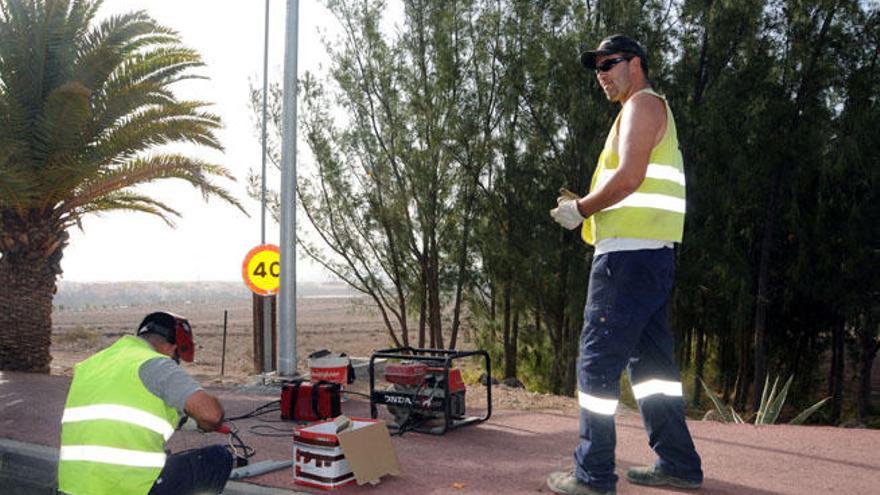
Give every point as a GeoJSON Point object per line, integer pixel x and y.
{"type": "Point", "coordinates": [174, 328]}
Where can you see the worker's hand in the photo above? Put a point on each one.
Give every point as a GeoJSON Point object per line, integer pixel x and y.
{"type": "Point", "coordinates": [566, 212]}
{"type": "Point", "coordinates": [565, 193]}
{"type": "Point", "coordinates": [187, 423]}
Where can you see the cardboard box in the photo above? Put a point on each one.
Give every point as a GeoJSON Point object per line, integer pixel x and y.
{"type": "Point", "coordinates": [323, 458]}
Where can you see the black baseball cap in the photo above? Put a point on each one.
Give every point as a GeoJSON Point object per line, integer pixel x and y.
{"type": "Point", "coordinates": [616, 43]}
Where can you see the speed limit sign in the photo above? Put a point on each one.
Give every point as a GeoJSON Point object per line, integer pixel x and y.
{"type": "Point", "coordinates": [261, 269]}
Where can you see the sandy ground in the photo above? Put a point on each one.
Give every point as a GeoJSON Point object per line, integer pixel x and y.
{"type": "Point", "coordinates": [349, 325]}
{"type": "Point", "coordinates": [340, 324]}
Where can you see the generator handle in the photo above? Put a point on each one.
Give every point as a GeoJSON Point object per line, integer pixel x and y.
{"type": "Point", "coordinates": [374, 411]}
{"type": "Point", "coordinates": [485, 355]}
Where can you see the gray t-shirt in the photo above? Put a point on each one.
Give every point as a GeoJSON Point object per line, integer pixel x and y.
{"type": "Point", "coordinates": [167, 381]}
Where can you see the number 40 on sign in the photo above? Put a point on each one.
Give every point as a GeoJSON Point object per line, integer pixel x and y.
{"type": "Point", "coordinates": [261, 269]}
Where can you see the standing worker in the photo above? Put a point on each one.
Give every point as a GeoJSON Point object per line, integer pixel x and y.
{"type": "Point", "coordinates": [634, 213]}
{"type": "Point", "coordinates": [123, 405]}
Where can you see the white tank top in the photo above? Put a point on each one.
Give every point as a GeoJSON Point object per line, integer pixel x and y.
{"type": "Point", "coordinates": [628, 244]}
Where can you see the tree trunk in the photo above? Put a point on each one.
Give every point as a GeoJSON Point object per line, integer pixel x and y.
{"type": "Point", "coordinates": [26, 316]}
{"type": "Point", "coordinates": [557, 330]}
{"type": "Point", "coordinates": [762, 299]}
{"type": "Point", "coordinates": [423, 304]}
{"type": "Point", "coordinates": [511, 365]}
{"type": "Point", "coordinates": [505, 331]}
{"type": "Point", "coordinates": [698, 374]}
{"type": "Point", "coordinates": [434, 317]}
{"type": "Point", "coordinates": [835, 381]}
{"type": "Point", "coordinates": [682, 350]}
{"type": "Point", "coordinates": [869, 347]}
{"type": "Point", "coordinates": [572, 351]}
{"type": "Point", "coordinates": [742, 374]}
{"type": "Point", "coordinates": [461, 279]}
{"type": "Point", "coordinates": [30, 263]}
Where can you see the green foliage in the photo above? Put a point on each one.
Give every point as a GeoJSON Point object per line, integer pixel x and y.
{"type": "Point", "coordinates": [769, 409]}
{"type": "Point", "coordinates": [460, 126]}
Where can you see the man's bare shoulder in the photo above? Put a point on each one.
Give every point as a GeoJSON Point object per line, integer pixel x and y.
{"type": "Point", "coordinates": [647, 106]}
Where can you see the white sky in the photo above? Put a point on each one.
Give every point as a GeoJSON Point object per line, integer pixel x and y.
{"type": "Point", "coordinates": [211, 239]}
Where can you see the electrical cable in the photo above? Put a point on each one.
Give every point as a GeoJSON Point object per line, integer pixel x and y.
{"type": "Point", "coordinates": [274, 431]}
{"type": "Point", "coordinates": [356, 393]}
{"type": "Point", "coordinates": [236, 446]}
{"type": "Point", "coordinates": [410, 420]}
{"type": "Point", "coordinates": [266, 408]}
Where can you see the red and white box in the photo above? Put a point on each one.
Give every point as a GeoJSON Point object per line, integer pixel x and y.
{"type": "Point", "coordinates": [329, 369]}
{"type": "Point", "coordinates": [318, 460]}
{"type": "Point", "coordinates": [361, 453]}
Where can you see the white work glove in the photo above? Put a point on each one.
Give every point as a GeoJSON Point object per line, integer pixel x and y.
{"type": "Point", "coordinates": [566, 212]}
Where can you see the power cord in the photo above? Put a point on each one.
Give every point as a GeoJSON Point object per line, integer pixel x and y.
{"type": "Point", "coordinates": [266, 408]}
{"type": "Point", "coordinates": [349, 392]}
{"type": "Point", "coordinates": [236, 446]}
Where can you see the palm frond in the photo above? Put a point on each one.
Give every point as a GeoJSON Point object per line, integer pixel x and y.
{"type": "Point", "coordinates": [146, 170]}
{"type": "Point", "coordinates": [111, 43]}
{"type": "Point", "coordinates": [12, 181]}
{"type": "Point", "coordinates": [157, 125]}
{"type": "Point", "coordinates": [123, 200]}
{"type": "Point", "coordinates": [81, 14]}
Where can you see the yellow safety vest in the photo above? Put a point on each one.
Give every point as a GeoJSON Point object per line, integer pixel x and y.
{"type": "Point", "coordinates": [656, 209]}
{"type": "Point", "coordinates": [113, 430]}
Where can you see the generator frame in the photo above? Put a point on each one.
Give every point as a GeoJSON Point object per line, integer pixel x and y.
{"type": "Point", "coordinates": [445, 356]}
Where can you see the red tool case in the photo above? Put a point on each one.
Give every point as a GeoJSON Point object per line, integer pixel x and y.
{"type": "Point", "coordinates": [307, 401]}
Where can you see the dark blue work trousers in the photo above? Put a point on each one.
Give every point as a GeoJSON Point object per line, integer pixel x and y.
{"type": "Point", "coordinates": [192, 472]}
{"type": "Point", "coordinates": [625, 325]}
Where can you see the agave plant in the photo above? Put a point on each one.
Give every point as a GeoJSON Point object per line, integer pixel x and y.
{"type": "Point", "coordinates": [82, 108]}
{"type": "Point", "coordinates": [769, 408]}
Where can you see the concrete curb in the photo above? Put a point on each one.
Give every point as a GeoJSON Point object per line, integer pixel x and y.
{"type": "Point", "coordinates": [29, 469]}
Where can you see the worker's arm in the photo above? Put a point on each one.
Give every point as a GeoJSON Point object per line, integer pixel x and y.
{"type": "Point", "coordinates": [205, 409]}
{"type": "Point", "coordinates": [167, 380]}
{"type": "Point", "coordinates": [640, 125]}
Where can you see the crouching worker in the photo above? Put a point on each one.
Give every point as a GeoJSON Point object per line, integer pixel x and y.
{"type": "Point", "coordinates": [124, 403]}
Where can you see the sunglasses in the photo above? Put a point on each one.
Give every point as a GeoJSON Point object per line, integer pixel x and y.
{"type": "Point", "coordinates": [610, 63]}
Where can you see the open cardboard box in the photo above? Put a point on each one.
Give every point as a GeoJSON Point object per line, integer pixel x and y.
{"type": "Point", "coordinates": [334, 453]}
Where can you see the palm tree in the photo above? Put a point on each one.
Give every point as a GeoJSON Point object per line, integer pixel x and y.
{"type": "Point", "coordinates": [82, 108]}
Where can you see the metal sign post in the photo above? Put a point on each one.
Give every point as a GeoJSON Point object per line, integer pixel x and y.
{"type": "Point", "coordinates": [261, 271]}
{"type": "Point", "coordinates": [287, 301]}
{"type": "Point", "coordinates": [266, 302]}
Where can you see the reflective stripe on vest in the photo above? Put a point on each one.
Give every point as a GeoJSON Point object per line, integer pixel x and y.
{"type": "Point", "coordinates": [606, 407]}
{"type": "Point", "coordinates": [655, 171]}
{"type": "Point", "coordinates": [123, 414]}
{"type": "Point", "coordinates": [653, 211]}
{"type": "Point", "coordinates": [110, 455]}
{"type": "Point", "coordinates": [656, 387]}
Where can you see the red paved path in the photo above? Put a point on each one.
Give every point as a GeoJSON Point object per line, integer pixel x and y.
{"type": "Point", "coordinates": [513, 452]}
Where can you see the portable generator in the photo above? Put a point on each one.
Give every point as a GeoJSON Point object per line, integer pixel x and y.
{"type": "Point", "coordinates": [424, 391]}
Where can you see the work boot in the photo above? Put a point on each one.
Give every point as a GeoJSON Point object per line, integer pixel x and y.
{"type": "Point", "coordinates": [568, 484]}
{"type": "Point", "coordinates": [651, 476]}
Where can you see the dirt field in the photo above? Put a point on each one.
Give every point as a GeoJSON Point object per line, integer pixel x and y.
{"type": "Point", "coordinates": [347, 325]}
{"type": "Point", "coordinates": [339, 324]}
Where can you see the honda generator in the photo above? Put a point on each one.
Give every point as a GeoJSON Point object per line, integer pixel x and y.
{"type": "Point", "coordinates": [423, 390]}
